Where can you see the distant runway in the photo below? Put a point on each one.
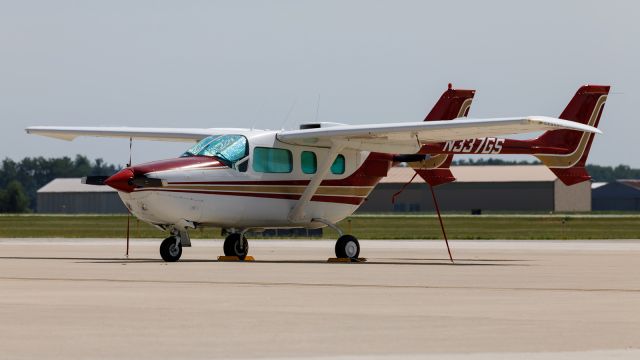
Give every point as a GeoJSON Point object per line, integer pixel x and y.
{"type": "Point", "coordinates": [79, 298]}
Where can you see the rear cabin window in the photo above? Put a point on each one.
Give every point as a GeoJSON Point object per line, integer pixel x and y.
{"type": "Point", "coordinates": [272, 160]}
{"type": "Point", "coordinates": [308, 162]}
{"type": "Point", "coordinates": [338, 165]}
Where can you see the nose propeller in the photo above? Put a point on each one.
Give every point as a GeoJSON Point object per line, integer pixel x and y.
{"type": "Point", "coordinates": [138, 181]}
{"type": "Point", "coordinates": [94, 180]}
{"type": "Point", "coordinates": [125, 180]}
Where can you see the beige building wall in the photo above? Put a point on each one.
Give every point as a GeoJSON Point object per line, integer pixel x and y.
{"type": "Point", "coordinates": [572, 198]}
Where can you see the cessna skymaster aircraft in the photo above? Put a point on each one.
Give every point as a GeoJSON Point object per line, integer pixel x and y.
{"type": "Point", "coordinates": [242, 179]}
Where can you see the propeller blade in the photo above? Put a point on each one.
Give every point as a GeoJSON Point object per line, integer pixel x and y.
{"type": "Point", "coordinates": [94, 180]}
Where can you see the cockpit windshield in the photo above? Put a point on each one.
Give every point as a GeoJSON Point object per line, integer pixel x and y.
{"type": "Point", "coordinates": [227, 148]}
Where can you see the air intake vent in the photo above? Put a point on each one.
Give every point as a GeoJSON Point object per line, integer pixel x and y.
{"type": "Point", "coordinates": [318, 125]}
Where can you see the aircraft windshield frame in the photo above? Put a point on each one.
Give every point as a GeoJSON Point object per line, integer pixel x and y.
{"type": "Point", "coordinates": [227, 148]}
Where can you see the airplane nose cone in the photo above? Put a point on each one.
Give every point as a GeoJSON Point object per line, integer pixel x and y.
{"type": "Point", "coordinates": [121, 180]}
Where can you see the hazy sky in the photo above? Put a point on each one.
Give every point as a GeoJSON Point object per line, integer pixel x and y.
{"type": "Point", "coordinates": [244, 63]}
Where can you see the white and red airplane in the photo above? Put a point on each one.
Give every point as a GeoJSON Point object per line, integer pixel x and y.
{"type": "Point", "coordinates": [248, 180]}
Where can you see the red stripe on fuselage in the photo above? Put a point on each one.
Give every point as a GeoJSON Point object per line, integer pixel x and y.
{"type": "Point", "coordinates": [351, 200]}
{"type": "Point", "coordinates": [183, 163]}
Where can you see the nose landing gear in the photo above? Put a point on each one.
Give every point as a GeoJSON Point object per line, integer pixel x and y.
{"type": "Point", "coordinates": [171, 249]}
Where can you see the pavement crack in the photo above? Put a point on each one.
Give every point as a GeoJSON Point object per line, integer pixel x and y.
{"type": "Point", "coordinates": [302, 284]}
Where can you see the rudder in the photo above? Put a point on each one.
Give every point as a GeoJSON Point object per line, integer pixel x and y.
{"type": "Point", "coordinates": [454, 103]}
{"type": "Point", "coordinates": [586, 108]}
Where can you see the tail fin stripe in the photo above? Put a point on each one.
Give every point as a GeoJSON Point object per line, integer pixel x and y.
{"type": "Point", "coordinates": [464, 108]}
{"type": "Point", "coordinates": [570, 160]}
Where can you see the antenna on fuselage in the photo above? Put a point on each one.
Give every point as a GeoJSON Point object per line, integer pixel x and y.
{"type": "Point", "coordinates": [286, 118]}
{"type": "Point", "coordinates": [130, 147]}
{"type": "Point", "coordinates": [317, 109]}
{"type": "Point", "coordinates": [257, 117]}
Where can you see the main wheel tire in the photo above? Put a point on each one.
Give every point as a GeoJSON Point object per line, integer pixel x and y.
{"type": "Point", "coordinates": [170, 251]}
{"type": "Point", "coordinates": [232, 246]}
{"type": "Point", "coordinates": [347, 246]}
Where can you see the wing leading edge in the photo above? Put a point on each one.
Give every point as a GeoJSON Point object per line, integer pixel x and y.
{"type": "Point", "coordinates": [409, 137]}
{"type": "Point", "coordinates": [163, 134]}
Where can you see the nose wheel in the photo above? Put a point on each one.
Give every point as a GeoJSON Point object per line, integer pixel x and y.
{"type": "Point", "coordinates": [171, 249]}
{"type": "Point", "coordinates": [347, 246]}
{"type": "Point", "coordinates": [236, 245]}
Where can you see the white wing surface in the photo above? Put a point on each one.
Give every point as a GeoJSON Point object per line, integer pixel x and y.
{"type": "Point", "coordinates": [165, 134]}
{"type": "Point", "coordinates": [409, 137]}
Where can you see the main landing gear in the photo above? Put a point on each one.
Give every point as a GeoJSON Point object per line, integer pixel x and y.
{"type": "Point", "coordinates": [347, 246]}
{"type": "Point", "coordinates": [235, 244]}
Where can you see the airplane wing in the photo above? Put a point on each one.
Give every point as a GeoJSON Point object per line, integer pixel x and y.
{"type": "Point", "coordinates": [409, 137]}
{"type": "Point", "coordinates": [166, 134]}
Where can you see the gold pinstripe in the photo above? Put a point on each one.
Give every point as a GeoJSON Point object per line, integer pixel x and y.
{"type": "Point", "coordinates": [465, 105]}
{"type": "Point", "coordinates": [277, 189]}
{"type": "Point", "coordinates": [570, 160]}
{"type": "Point", "coordinates": [435, 161]}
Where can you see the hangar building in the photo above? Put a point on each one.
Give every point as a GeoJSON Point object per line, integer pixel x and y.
{"type": "Point", "coordinates": [70, 196]}
{"type": "Point", "coordinates": [620, 195]}
{"type": "Point", "coordinates": [518, 188]}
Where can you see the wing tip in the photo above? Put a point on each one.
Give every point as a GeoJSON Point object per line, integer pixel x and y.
{"type": "Point", "coordinates": [48, 132]}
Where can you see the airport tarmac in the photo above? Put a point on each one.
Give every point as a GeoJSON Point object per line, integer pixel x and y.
{"type": "Point", "coordinates": [79, 298]}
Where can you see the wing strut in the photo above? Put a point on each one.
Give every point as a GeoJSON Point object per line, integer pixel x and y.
{"type": "Point", "coordinates": [297, 214]}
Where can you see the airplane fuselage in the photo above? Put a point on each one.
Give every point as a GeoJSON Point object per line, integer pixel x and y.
{"type": "Point", "coordinates": [205, 191]}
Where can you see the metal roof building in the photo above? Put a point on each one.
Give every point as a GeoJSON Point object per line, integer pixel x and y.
{"type": "Point", "coordinates": [616, 195]}
{"type": "Point", "coordinates": [70, 196]}
{"type": "Point", "coordinates": [493, 188]}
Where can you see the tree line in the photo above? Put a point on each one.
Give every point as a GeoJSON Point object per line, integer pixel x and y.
{"type": "Point", "coordinates": [20, 181]}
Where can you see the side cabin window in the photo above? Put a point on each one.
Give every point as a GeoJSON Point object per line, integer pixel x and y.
{"type": "Point", "coordinates": [308, 162]}
{"type": "Point", "coordinates": [272, 160]}
{"type": "Point", "coordinates": [338, 165]}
